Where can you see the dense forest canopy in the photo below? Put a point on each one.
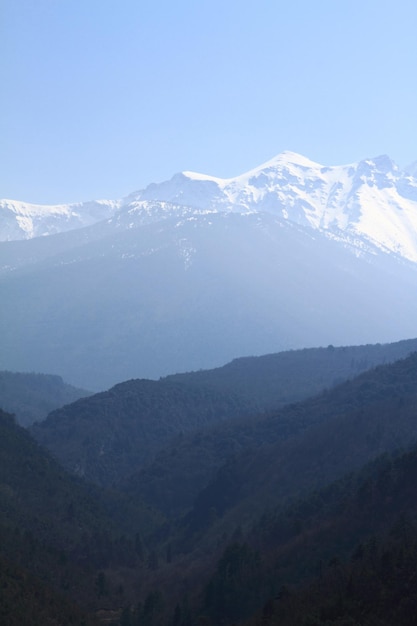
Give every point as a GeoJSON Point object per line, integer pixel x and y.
{"type": "Point", "coordinates": [214, 507]}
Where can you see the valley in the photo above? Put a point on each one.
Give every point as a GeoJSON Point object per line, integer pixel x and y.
{"type": "Point", "coordinates": [214, 498]}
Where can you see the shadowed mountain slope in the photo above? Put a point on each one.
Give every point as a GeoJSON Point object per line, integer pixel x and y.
{"type": "Point", "coordinates": [307, 445]}
{"type": "Point", "coordinates": [30, 397]}
{"type": "Point", "coordinates": [270, 518]}
{"type": "Point", "coordinates": [183, 469]}
{"type": "Point", "coordinates": [111, 435]}
{"type": "Point", "coordinates": [25, 600]}
{"type": "Point", "coordinates": [196, 291]}
{"type": "Point", "coordinates": [354, 542]}
{"type": "Point", "coordinates": [270, 381]}
{"type": "Point", "coordinates": [106, 437]}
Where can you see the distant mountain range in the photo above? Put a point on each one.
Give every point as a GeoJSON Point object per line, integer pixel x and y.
{"type": "Point", "coordinates": [195, 271]}
{"type": "Point", "coordinates": [23, 220]}
{"type": "Point", "coordinates": [30, 397]}
{"type": "Point", "coordinates": [109, 437]}
{"type": "Point", "coordinates": [367, 202]}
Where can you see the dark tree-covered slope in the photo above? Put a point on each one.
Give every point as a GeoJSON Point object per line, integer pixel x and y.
{"type": "Point", "coordinates": [111, 435]}
{"type": "Point", "coordinates": [248, 515]}
{"type": "Point", "coordinates": [358, 539]}
{"type": "Point", "coordinates": [335, 431]}
{"type": "Point", "coordinates": [310, 444]}
{"type": "Point", "coordinates": [273, 380]}
{"type": "Point", "coordinates": [37, 494]}
{"type": "Point", "coordinates": [292, 539]}
{"type": "Point", "coordinates": [108, 436]}
{"type": "Point", "coordinates": [288, 454]}
{"type": "Point", "coordinates": [24, 600]}
{"type": "Point", "coordinates": [30, 397]}
{"type": "Point", "coordinates": [377, 588]}
{"type": "Point", "coordinates": [355, 541]}
{"type": "Point", "coordinates": [61, 530]}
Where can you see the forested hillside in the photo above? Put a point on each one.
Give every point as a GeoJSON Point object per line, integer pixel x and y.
{"type": "Point", "coordinates": [273, 380]}
{"type": "Point", "coordinates": [228, 514]}
{"type": "Point", "coordinates": [30, 397]}
{"type": "Point", "coordinates": [357, 540]}
{"type": "Point", "coordinates": [25, 600]}
{"type": "Point", "coordinates": [299, 450]}
{"type": "Point", "coordinates": [298, 447]}
{"type": "Point", "coordinates": [109, 436]}
{"type": "Point", "coordinates": [310, 444]}
{"type": "Point", "coordinates": [72, 539]}
{"type": "Point", "coordinates": [346, 555]}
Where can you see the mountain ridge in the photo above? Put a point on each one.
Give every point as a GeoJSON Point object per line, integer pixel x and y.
{"type": "Point", "coordinates": [363, 199]}
{"type": "Point", "coordinates": [190, 274]}
{"type": "Point", "coordinates": [30, 396]}
{"type": "Point", "coordinates": [110, 436]}
{"type": "Point", "coordinates": [26, 220]}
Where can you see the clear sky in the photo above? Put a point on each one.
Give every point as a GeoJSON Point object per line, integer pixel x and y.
{"type": "Point", "coordinates": [101, 97]}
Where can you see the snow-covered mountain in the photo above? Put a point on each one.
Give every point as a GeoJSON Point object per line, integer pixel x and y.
{"type": "Point", "coordinates": [198, 270]}
{"type": "Point", "coordinates": [22, 220]}
{"type": "Point", "coordinates": [367, 202]}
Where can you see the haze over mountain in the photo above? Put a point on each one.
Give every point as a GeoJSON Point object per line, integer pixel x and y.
{"type": "Point", "coordinates": [30, 397]}
{"type": "Point", "coordinates": [23, 220]}
{"type": "Point", "coordinates": [195, 271]}
{"type": "Point", "coordinates": [168, 437]}
{"type": "Point", "coordinates": [362, 199]}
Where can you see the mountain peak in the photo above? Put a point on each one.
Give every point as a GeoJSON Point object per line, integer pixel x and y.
{"type": "Point", "coordinates": [285, 158]}
{"type": "Point", "coordinates": [201, 177]}
{"type": "Point", "coordinates": [291, 162]}
{"type": "Point", "coordinates": [383, 163]}
{"type": "Point", "coordinates": [292, 157]}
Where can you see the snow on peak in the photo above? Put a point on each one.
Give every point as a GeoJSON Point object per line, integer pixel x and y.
{"type": "Point", "coordinates": [286, 158]}
{"type": "Point", "coordinates": [203, 177]}
{"type": "Point", "coordinates": [371, 200]}
{"type": "Point", "coordinates": [23, 220]}
{"type": "Point", "coordinates": [289, 158]}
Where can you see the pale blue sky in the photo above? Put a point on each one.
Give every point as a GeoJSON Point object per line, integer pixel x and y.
{"type": "Point", "coordinates": [101, 97]}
